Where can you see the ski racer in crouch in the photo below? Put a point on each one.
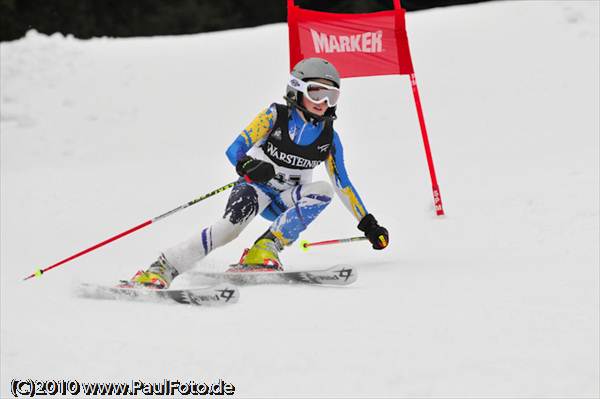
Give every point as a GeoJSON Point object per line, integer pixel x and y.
{"type": "Point", "coordinates": [275, 157]}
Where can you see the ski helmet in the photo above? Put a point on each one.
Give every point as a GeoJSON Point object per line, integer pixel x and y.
{"type": "Point", "coordinates": [312, 69]}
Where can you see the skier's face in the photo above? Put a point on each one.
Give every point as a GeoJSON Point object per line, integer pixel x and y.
{"type": "Point", "coordinates": [317, 109]}
{"type": "Point", "coordinates": [314, 108]}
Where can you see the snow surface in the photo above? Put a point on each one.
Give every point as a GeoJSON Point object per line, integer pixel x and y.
{"type": "Point", "coordinates": [498, 299]}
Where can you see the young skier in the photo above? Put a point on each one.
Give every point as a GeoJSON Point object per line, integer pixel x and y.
{"type": "Point", "coordinates": [275, 157]}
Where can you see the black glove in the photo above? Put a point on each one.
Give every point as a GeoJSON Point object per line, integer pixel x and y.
{"type": "Point", "coordinates": [255, 169]}
{"type": "Point", "coordinates": [377, 235]}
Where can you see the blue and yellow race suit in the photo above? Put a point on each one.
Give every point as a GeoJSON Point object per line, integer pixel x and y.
{"type": "Point", "coordinates": [291, 200]}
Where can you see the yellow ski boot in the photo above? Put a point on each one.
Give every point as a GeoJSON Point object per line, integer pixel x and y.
{"type": "Point", "coordinates": [262, 256]}
{"type": "Point", "coordinates": [159, 275]}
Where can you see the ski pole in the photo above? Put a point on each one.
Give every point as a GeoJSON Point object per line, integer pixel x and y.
{"type": "Point", "coordinates": [39, 272]}
{"type": "Point", "coordinates": [305, 244]}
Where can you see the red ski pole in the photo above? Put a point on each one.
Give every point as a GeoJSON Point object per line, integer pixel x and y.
{"type": "Point", "coordinates": [305, 244]}
{"type": "Point", "coordinates": [39, 272]}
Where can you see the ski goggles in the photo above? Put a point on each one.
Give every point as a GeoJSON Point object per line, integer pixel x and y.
{"type": "Point", "coordinates": [316, 92]}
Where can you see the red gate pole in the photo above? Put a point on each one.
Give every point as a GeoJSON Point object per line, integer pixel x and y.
{"type": "Point", "coordinates": [437, 198]}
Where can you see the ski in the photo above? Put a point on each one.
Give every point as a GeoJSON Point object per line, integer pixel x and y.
{"type": "Point", "coordinates": [214, 295]}
{"type": "Point", "coordinates": [336, 275]}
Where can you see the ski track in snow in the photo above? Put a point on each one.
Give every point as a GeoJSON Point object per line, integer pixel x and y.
{"type": "Point", "coordinates": [498, 299]}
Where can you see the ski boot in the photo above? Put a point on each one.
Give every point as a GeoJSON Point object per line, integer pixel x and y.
{"type": "Point", "coordinates": [159, 275]}
{"type": "Point", "coordinates": [262, 256]}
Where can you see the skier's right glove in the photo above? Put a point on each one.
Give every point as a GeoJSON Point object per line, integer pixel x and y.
{"type": "Point", "coordinates": [377, 235]}
{"type": "Point", "coordinates": [255, 170]}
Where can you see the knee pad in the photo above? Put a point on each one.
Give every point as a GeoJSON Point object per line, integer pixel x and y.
{"type": "Point", "coordinates": [242, 204]}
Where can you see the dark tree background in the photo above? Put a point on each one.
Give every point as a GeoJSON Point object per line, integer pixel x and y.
{"type": "Point", "coordinates": [123, 18]}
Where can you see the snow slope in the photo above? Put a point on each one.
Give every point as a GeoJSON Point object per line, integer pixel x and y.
{"type": "Point", "coordinates": [500, 298]}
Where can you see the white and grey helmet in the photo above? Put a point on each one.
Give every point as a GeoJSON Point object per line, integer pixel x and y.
{"type": "Point", "coordinates": [311, 69]}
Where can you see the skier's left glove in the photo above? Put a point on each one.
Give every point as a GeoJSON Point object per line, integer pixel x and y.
{"type": "Point", "coordinates": [377, 235]}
